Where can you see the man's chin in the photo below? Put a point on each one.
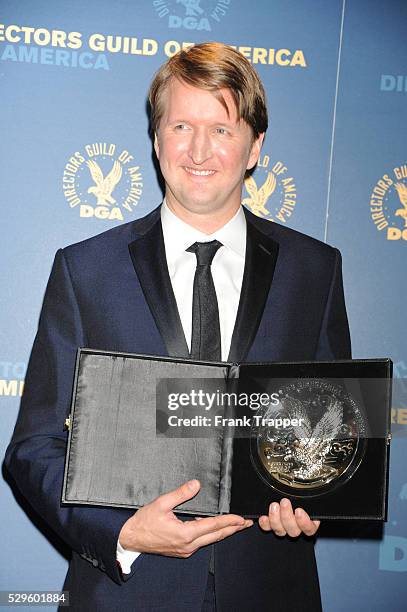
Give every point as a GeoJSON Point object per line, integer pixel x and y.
{"type": "Point", "coordinates": [194, 207]}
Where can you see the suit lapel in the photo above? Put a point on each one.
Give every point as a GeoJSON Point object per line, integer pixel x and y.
{"type": "Point", "coordinates": [148, 256]}
{"type": "Point", "coordinates": [261, 257]}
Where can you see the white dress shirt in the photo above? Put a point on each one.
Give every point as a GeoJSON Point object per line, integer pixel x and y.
{"type": "Point", "coordinates": [227, 272]}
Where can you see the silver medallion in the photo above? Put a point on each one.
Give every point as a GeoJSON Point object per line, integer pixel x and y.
{"type": "Point", "coordinates": [312, 440]}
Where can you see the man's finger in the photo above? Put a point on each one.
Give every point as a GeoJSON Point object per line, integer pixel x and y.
{"type": "Point", "coordinates": [212, 524]}
{"type": "Point", "coordinates": [288, 519]}
{"type": "Point", "coordinates": [220, 534]}
{"type": "Point", "coordinates": [275, 519]}
{"type": "Point", "coordinates": [308, 526]}
{"type": "Point", "coordinates": [186, 491]}
{"type": "Point", "coordinates": [264, 523]}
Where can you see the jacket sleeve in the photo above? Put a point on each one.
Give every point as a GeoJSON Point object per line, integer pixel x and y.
{"type": "Point", "coordinates": [36, 454]}
{"type": "Point", "coordinates": [334, 338]}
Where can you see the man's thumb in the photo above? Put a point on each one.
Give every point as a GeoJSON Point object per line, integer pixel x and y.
{"type": "Point", "coordinates": [186, 491]}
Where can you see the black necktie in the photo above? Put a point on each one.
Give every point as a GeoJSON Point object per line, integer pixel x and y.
{"type": "Point", "coordinates": [205, 342]}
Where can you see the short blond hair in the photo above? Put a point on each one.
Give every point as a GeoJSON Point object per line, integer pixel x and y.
{"type": "Point", "coordinates": [213, 66]}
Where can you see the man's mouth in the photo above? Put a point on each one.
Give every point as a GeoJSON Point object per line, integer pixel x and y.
{"type": "Point", "coordinates": [196, 172]}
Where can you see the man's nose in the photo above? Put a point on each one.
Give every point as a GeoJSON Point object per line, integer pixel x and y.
{"type": "Point", "coordinates": [200, 146]}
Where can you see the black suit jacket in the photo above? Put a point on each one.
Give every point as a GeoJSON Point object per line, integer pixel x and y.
{"type": "Point", "coordinates": [113, 292]}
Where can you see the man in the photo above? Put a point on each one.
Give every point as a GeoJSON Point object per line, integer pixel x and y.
{"type": "Point", "coordinates": [278, 297]}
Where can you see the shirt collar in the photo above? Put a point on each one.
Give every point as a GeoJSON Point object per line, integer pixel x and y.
{"type": "Point", "coordinates": [178, 235]}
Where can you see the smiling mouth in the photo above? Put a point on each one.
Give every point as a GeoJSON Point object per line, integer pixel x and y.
{"type": "Point", "coordinates": [195, 172]}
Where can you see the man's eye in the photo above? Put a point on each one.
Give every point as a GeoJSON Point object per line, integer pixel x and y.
{"type": "Point", "coordinates": [181, 126]}
{"type": "Point", "coordinates": [221, 130]}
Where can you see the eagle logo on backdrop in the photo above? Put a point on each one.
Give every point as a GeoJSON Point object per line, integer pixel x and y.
{"type": "Point", "coordinates": [102, 180]}
{"type": "Point", "coordinates": [192, 8]}
{"type": "Point", "coordinates": [104, 185]}
{"type": "Point", "coordinates": [259, 197]}
{"type": "Point", "coordinates": [271, 191]}
{"type": "Point", "coordinates": [388, 204]}
{"type": "Point", "coordinates": [192, 14]}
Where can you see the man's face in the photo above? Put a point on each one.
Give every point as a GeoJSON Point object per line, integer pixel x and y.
{"type": "Point", "coordinates": [203, 152]}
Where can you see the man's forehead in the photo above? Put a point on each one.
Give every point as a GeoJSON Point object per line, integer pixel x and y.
{"type": "Point", "coordinates": [177, 95]}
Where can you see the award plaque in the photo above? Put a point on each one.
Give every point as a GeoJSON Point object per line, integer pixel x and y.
{"type": "Point", "coordinates": [252, 433]}
{"type": "Point", "coordinates": [322, 447]}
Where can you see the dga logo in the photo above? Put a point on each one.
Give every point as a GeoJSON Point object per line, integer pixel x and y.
{"type": "Point", "coordinates": [192, 14]}
{"type": "Point", "coordinates": [272, 193]}
{"type": "Point", "coordinates": [388, 204]}
{"type": "Point", "coordinates": [102, 181]}
{"type": "Point", "coordinates": [390, 82]}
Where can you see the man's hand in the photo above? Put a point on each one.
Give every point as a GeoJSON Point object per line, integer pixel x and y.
{"type": "Point", "coordinates": [155, 528]}
{"type": "Point", "coordinates": [283, 521]}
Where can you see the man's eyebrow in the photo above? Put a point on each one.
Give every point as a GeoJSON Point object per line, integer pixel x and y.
{"type": "Point", "coordinates": [223, 123]}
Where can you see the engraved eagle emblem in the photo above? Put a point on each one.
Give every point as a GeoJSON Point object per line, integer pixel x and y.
{"type": "Point", "coordinates": [258, 197]}
{"type": "Point", "coordinates": [402, 193]}
{"type": "Point", "coordinates": [104, 185]}
{"type": "Point", "coordinates": [312, 444]}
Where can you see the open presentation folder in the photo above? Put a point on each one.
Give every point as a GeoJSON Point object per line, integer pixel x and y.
{"type": "Point", "coordinates": [315, 432]}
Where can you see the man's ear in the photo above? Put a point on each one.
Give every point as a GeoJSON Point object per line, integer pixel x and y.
{"type": "Point", "coordinates": [255, 151]}
{"type": "Point", "coordinates": [156, 145]}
